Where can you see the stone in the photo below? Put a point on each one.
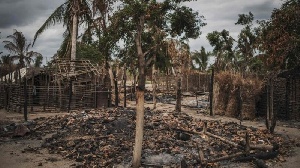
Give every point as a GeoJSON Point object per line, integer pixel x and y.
{"type": "Point", "coordinates": [21, 130]}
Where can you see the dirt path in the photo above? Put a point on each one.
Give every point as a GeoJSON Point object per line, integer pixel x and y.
{"type": "Point", "coordinates": [24, 153]}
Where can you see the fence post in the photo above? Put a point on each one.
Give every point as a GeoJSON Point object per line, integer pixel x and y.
{"type": "Point", "coordinates": [211, 93]}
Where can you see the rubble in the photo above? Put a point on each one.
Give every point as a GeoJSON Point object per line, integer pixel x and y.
{"type": "Point", "coordinates": [105, 138]}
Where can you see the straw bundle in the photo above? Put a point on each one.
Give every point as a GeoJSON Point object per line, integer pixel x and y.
{"type": "Point", "coordinates": [235, 95]}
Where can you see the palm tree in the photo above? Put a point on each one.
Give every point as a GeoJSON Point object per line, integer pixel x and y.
{"type": "Point", "coordinates": [201, 58]}
{"type": "Point", "coordinates": [71, 14]}
{"type": "Point", "coordinates": [19, 48]}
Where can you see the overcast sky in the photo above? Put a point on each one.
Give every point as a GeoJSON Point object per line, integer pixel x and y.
{"type": "Point", "coordinates": [27, 17]}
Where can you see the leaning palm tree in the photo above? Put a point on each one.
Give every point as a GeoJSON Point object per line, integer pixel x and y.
{"type": "Point", "coordinates": [19, 48]}
{"type": "Point", "coordinates": [71, 14]}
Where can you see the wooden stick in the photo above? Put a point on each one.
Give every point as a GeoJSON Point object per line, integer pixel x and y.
{"type": "Point", "coordinates": [209, 134]}
{"type": "Point", "coordinates": [222, 139]}
{"type": "Point", "coordinates": [205, 128]}
{"type": "Point", "coordinates": [262, 147]}
{"type": "Point", "coordinates": [259, 147]}
{"type": "Point", "coordinates": [247, 147]}
{"type": "Point", "coordinates": [262, 155]}
{"type": "Point", "coordinates": [201, 156]}
{"type": "Point", "coordinates": [226, 157]}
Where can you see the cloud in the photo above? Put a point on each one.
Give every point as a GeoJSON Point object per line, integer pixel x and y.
{"type": "Point", "coordinates": [220, 14]}
{"type": "Point", "coordinates": [27, 17]}
{"type": "Point", "coordinates": [21, 13]}
{"type": "Point", "coordinates": [263, 9]}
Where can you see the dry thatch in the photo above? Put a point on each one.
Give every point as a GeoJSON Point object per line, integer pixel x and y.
{"type": "Point", "coordinates": [235, 95]}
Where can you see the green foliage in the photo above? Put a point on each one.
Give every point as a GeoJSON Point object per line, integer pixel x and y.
{"type": "Point", "coordinates": [185, 22]}
{"type": "Point", "coordinates": [223, 44]}
{"type": "Point", "coordinates": [161, 19]}
{"type": "Point", "coordinates": [245, 19]}
{"type": "Point", "coordinates": [65, 14]}
{"type": "Point", "coordinates": [247, 42]}
{"type": "Point", "coordinates": [90, 52]}
{"type": "Point", "coordinates": [38, 61]}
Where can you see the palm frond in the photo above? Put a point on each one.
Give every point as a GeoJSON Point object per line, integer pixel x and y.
{"type": "Point", "coordinates": [65, 46]}
{"type": "Point", "coordinates": [11, 47]}
{"type": "Point", "coordinates": [56, 16]}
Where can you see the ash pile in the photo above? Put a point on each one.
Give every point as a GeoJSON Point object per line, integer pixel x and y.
{"type": "Point", "coordinates": [105, 138]}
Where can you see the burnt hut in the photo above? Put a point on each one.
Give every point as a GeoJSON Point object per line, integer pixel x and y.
{"type": "Point", "coordinates": [292, 94]}
{"type": "Point", "coordinates": [285, 97]}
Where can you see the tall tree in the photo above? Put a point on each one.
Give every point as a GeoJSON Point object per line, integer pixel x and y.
{"type": "Point", "coordinates": [246, 43]}
{"type": "Point", "coordinates": [19, 48]}
{"type": "Point", "coordinates": [133, 22]}
{"type": "Point", "coordinates": [280, 36]}
{"type": "Point", "coordinates": [222, 43]}
{"type": "Point", "coordinates": [71, 14]}
{"type": "Point", "coordinates": [106, 38]}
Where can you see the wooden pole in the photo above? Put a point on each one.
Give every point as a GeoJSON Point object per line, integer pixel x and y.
{"type": "Point", "coordinates": [239, 102]}
{"type": "Point", "coordinates": [70, 95]}
{"type": "Point", "coordinates": [116, 89]}
{"type": "Point", "coordinates": [33, 92]}
{"type": "Point", "coordinates": [287, 97]}
{"type": "Point", "coordinates": [268, 106]}
{"type": "Point", "coordinates": [178, 95]}
{"type": "Point", "coordinates": [125, 79]}
{"type": "Point", "coordinates": [187, 82]}
{"type": "Point", "coordinates": [247, 147]}
{"type": "Point", "coordinates": [167, 81]}
{"type": "Point", "coordinates": [273, 117]}
{"type": "Point", "coordinates": [211, 94]}
{"type": "Point", "coordinates": [25, 99]}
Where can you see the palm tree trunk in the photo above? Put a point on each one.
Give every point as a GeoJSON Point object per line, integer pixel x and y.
{"type": "Point", "coordinates": [154, 86]}
{"type": "Point", "coordinates": [74, 37]}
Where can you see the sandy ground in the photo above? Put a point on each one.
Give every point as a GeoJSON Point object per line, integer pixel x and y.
{"type": "Point", "coordinates": [22, 153]}
{"type": "Point", "coordinates": [15, 153]}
